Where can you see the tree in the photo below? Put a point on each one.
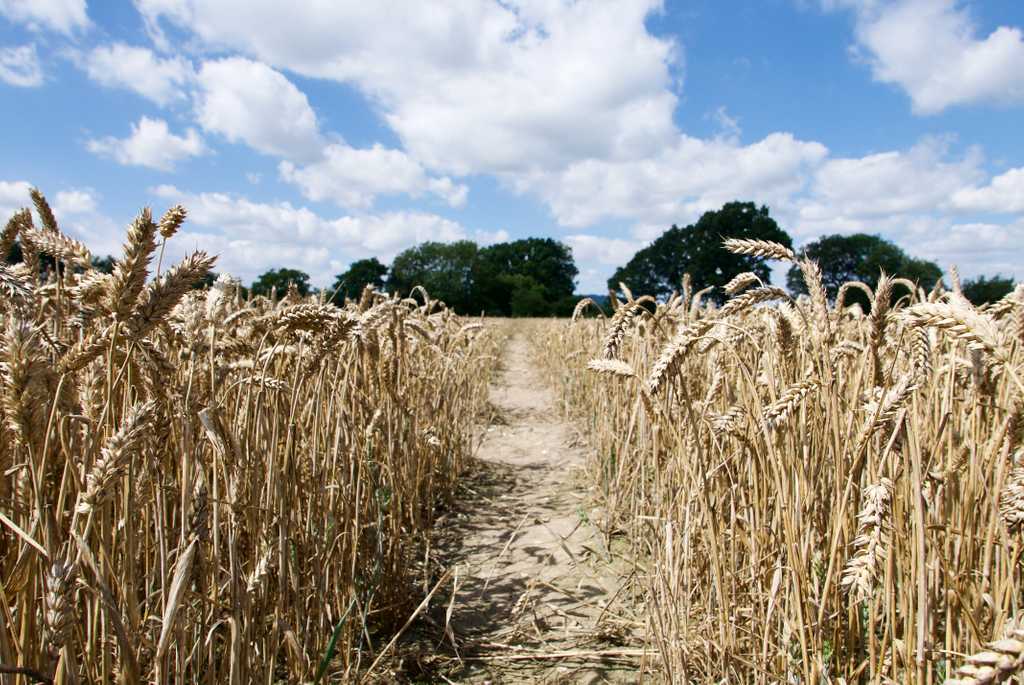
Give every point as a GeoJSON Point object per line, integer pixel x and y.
{"type": "Point", "coordinates": [541, 268]}
{"type": "Point", "coordinates": [982, 289]}
{"type": "Point", "coordinates": [444, 269]}
{"type": "Point", "coordinates": [861, 257]}
{"type": "Point", "coordinates": [281, 279]}
{"type": "Point", "coordinates": [697, 249]}
{"type": "Point", "coordinates": [526, 297]}
{"type": "Point", "coordinates": [360, 273]}
{"type": "Point", "coordinates": [104, 264]}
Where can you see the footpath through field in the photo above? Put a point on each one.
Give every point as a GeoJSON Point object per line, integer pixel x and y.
{"type": "Point", "coordinates": [540, 597]}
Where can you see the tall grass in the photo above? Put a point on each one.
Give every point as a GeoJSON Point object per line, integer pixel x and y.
{"type": "Point", "coordinates": [200, 488]}
{"type": "Point", "coordinates": [817, 494]}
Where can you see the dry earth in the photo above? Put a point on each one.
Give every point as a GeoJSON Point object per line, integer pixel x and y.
{"type": "Point", "coordinates": [539, 596]}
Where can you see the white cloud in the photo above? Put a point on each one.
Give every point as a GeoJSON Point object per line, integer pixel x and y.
{"type": "Point", "coordinates": [491, 237]}
{"type": "Point", "coordinates": [254, 236]}
{"type": "Point", "coordinates": [76, 201]}
{"type": "Point", "coordinates": [151, 145]}
{"type": "Point", "coordinates": [1003, 194]}
{"type": "Point", "coordinates": [19, 66]}
{"type": "Point", "coordinates": [933, 50]}
{"type": "Point", "coordinates": [58, 15]}
{"type": "Point", "coordinates": [681, 182]}
{"type": "Point", "coordinates": [470, 86]}
{"type": "Point", "coordinates": [13, 196]}
{"type": "Point", "coordinates": [597, 257]}
{"type": "Point", "coordinates": [602, 250]}
{"type": "Point", "coordinates": [162, 80]}
{"type": "Point", "coordinates": [248, 101]}
{"type": "Point", "coordinates": [922, 178]}
{"type": "Point", "coordinates": [352, 177]}
{"type": "Point", "coordinates": [975, 248]}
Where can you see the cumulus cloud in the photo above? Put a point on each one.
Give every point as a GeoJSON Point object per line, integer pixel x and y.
{"type": "Point", "coordinates": [602, 250]}
{"type": "Point", "coordinates": [571, 103]}
{"type": "Point", "coordinates": [74, 202]}
{"type": "Point", "coordinates": [353, 177]}
{"type": "Point", "coordinates": [473, 86]}
{"type": "Point", "coordinates": [597, 257]}
{"type": "Point", "coordinates": [254, 236]}
{"type": "Point", "coordinates": [681, 182]}
{"type": "Point", "coordinates": [19, 66]}
{"type": "Point", "coordinates": [491, 237]}
{"type": "Point", "coordinates": [162, 80]}
{"type": "Point", "coordinates": [63, 16]}
{"type": "Point", "coordinates": [893, 182]}
{"type": "Point", "coordinates": [1003, 194]}
{"type": "Point", "coordinates": [933, 50]}
{"type": "Point", "coordinates": [13, 196]}
{"type": "Point", "coordinates": [247, 101]}
{"type": "Point", "coordinates": [151, 144]}
{"type": "Point", "coordinates": [974, 247]}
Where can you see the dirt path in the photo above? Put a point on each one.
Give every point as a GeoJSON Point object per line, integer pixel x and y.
{"type": "Point", "coordinates": [539, 596]}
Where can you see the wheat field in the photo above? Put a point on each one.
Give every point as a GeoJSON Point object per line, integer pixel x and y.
{"type": "Point", "coordinates": [813, 493]}
{"type": "Point", "coordinates": [198, 487]}
{"type": "Point", "coordinates": [202, 486]}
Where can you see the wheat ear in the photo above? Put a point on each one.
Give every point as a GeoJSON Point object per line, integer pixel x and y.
{"type": "Point", "coordinates": [741, 282]}
{"type": "Point", "coordinates": [779, 411]}
{"type": "Point", "coordinates": [171, 221]}
{"type": "Point", "coordinates": [611, 367]}
{"type": "Point", "coordinates": [59, 606]}
{"type": "Point", "coordinates": [963, 322]}
{"type": "Point", "coordinates": [130, 272]}
{"type": "Point", "coordinates": [10, 232]}
{"type": "Point", "coordinates": [862, 571]}
{"type": "Point", "coordinates": [621, 320]}
{"type": "Point", "coordinates": [751, 297]}
{"type": "Point", "coordinates": [60, 246]}
{"type": "Point", "coordinates": [999, 662]}
{"type": "Point", "coordinates": [760, 248]}
{"type": "Point", "coordinates": [114, 454]}
{"type": "Point", "coordinates": [161, 296]}
{"type": "Point", "coordinates": [672, 355]}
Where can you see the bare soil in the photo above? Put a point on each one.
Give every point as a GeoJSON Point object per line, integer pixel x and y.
{"type": "Point", "coordinates": [539, 597]}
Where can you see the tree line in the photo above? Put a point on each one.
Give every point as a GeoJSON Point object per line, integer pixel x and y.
{"type": "Point", "coordinates": [529, 277]}
{"type": "Point", "coordinates": [537, 276]}
{"type": "Point", "coordinates": [697, 249]}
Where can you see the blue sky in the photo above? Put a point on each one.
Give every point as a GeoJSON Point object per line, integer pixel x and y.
{"type": "Point", "coordinates": [309, 134]}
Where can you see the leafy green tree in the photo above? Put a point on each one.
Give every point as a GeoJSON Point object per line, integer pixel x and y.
{"type": "Point", "coordinates": [542, 268]}
{"type": "Point", "coordinates": [697, 249]}
{"type": "Point", "coordinates": [104, 264]}
{"type": "Point", "coordinates": [527, 297]}
{"type": "Point", "coordinates": [982, 289]}
{"type": "Point", "coordinates": [444, 269]}
{"type": "Point", "coordinates": [861, 257]}
{"type": "Point", "coordinates": [281, 279]}
{"type": "Point", "coordinates": [360, 273]}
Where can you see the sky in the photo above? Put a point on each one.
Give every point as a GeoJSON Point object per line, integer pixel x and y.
{"type": "Point", "coordinates": [312, 133]}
